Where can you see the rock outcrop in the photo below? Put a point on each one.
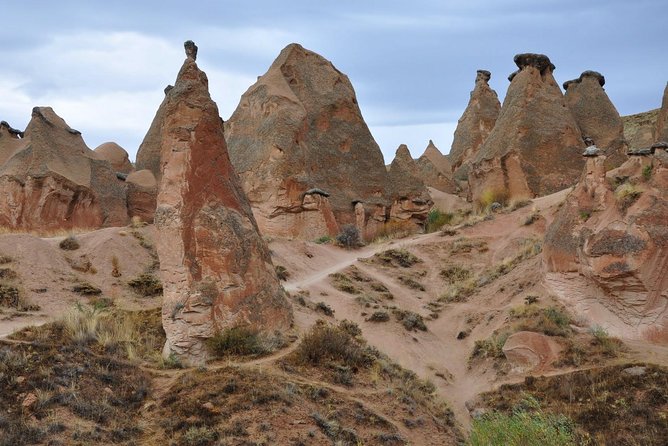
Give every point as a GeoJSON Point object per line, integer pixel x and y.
{"type": "Point", "coordinates": [535, 146]}
{"type": "Point", "coordinates": [661, 133]}
{"type": "Point", "coordinates": [410, 199]}
{"type": "Point", "coordinates": [639, 129]}
{"type": "Point", "coordinates": [142, 194]}
{"type": "Point", "coordinates": [148, 154]}
{"type": "Point", "coordinates": [475, 125]}
{"type": "Point", "coordinates": [606, 253]}
{"type": "Point", "coordinates": [51, 180]}
{"type": "Point", "coordinates": [116, 156]}
{"type": "Point", "coordinates": [215, 266]}
{"type": "Point", "coordinates": [596, 116]}
{"type": "Point", "coordinates": [529, 351]}
{"type": "Point", "coordinates": [435, 170]}
{"type": "Point", "coordinates": [298, 129]}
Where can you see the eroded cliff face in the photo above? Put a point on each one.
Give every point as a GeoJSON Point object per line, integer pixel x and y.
{"type": "Point", "coordinates": [52, 180]}
{"type": "Point", "coordinates": [215, 266]}
{"type": "Point", "coordinates": [299, 129]}
{"type": "Point", "coordinates": [606, 253]}
{"type": "Point", "coordinates": [596, 116]}
{"type": "Point", "coordinates": [435, 170]}
{"type": "Point", "coordinates": [535, 146]}
{"type": "Point", "coordinates": [474, 126]}
{"type": "Point", "coordinates": [661, 132]}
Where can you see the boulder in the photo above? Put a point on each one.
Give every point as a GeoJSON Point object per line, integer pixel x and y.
{"type": "Point", "coordinates": [661, 133]}
{"type": "Point", "coordinates": [116, 155]}
{"type": "Point", "coordinates": [527, 350]}
{"type": "Point", "coordinates": [410, 199]}
{"type": "Point", "coordinates": [215, 267]}
{"type": "Point", "coordinates": [142, 194]}
{"type": "Point", "coordinates": [596, 116]}
{"type": "Point", "coordinates": [475, 125]}
{"type": "Point", "coordinates": [51, 180]}
{"type": "Point", "coordinates": [298, 128]}
{"type": "Point", "coordinates": [435, 170]}
{"type": "Point", "coordinates": [606, 252]}
{"type": "Point", "coordinates": [535, 146]}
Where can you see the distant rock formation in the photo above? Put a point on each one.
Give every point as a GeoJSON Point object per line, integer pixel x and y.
{"type": "Point", "coordinates": [116, 155]}
{"type": "Point", "coordinates": [299, 128]}
{"type": "Point", "coordinates": [474, 126]}
{"type": "Point", "coordinates": [639, 128]}
{"type": "Point", "coordinates": [661, 133]}
{"type": "Point", "coordinates": [535, 146]}
{"type": "Point", "coordinates": [596, 116]}
{"type": "Point", "coordinates": [51, 180]}
{"type": "Point", "coordinates": [435, 169]}
{"type": "Point", "coordinates": [606, 253]}
{"type": "Point", "coordinates": [215, 266]}
{"type": "Point", "coordinates": [142, 195]}
{"type": "Point", "coordinates": [148, 154]}
{"type": "Point", "coordinates": [410, 199]}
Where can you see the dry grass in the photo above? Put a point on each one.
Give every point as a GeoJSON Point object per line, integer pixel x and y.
{"type": "Point", "coordinates": [146, 285]}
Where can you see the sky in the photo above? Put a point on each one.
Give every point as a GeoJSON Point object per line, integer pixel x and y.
{"type": "Point", "coordinates": [103, 65]}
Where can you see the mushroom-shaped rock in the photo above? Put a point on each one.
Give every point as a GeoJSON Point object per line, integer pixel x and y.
{"type": "Point", "coordinates": [410, 199]}
{"type": "Point", "coordinates": [534, 148]}
{"type": "Point", "coordinates": [214, 264]}
{"type": "Point", "coordinates": [299, 127]}
{"type": "Point", "coordinates": [51, 180]}
{"type": "Point", "coordinates": [527, 350]}
{"type": "Point", "coordinates": [116, 155]}
{"type": "Point", "coordinates": [474, 126]}
{"type": "Point", "coordinates": [142, 194]}
{"type": "Point", "coordinates": [596, 116]}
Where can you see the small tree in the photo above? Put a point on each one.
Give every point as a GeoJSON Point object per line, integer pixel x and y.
{"type": "Point", "coordinates": [349, 237]}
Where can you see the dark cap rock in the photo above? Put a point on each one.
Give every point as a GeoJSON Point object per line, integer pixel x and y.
{"type": "Point", "coordinates": [589, 73]}
{"type": "Point", "coordinates": [11, 130]}
{"type": "Point", "coordinates": [191, 49]}
{"type": "Point", "coordinates": [660, 145]}
{"type": "Point", "coordinates": [483, 75]}
{"type": "Point", "coordinates": [539, 61]}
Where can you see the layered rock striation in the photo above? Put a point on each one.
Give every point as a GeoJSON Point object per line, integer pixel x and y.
{"type": "Point", "coordinates": [215, 266]}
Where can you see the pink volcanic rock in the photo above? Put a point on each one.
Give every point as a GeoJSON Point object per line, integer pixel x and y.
{"type": "Point", "coordinates": [535, 146]}
{"type": "Point", "coordinates": [142, 195]}
{"type": "Point", "coordinates": [116, 155]}
{"type": "Point", "coordinates": [51, 180]}
{"type": "Point", "coordinates": [299, 128]}
{"type": "Point", "coordinates": [606, 253]}
{"type": "Point", "coordinates": [215, 266]}
{"type": "Point", "coordinates": [596, 116]}
{"type": "Point", "coordinates": [475, 125]}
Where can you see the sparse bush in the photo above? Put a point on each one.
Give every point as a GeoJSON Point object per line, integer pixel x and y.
{"type": "Point", "coordinates": [411, 283]}
{"type": "Point", "coordinates": [399, 257]}
{"type": "Point", "coordinates": [379, 316]}
{"type": "Point", "coordinates": [349, 237]}
{"type": "Point", "coordinates": [455, 273]}
{"type": "Point", "coordinates": [343, 283]}
{"type": "Point", "coordinates": [324, 309]}
{"type": "Point", "coordinates": [395, 229]}
{"type": "Point", "coordinates": [464, 244]}
{"type": "Point", "coordinates": [584, 214]}
{"type": "Point", "coordinates": [410, 320]}
{"type": "Point", "coordinates": [325, 239]}
{"type": "Point", "coordinates": [239, 340]}
{"type": "Point", "coordinates": [282, 273]}
{"type": "Point", "coordinates": [490, 196]}
{"type": "Point", "coordinates": [490, 348]}
{"type": "Point", "coordinates": [69, 243]}
{"type": "Point", "coordinates": [146, 285]}
{"type": "Point", "coordinates": [551, 321]}
{"type": "Point", "coordinates": [5, 259]}
{"type": "Point", "coordinates": [627, 194]}
{"type": "Point", "coordinates": [325, 343]}
{"type": "Point", "coordinates": [601, 337]}
{"type": "Point", "coordinates": [9, 296]}
{"type": "Point", "coordinates": [199, 436]}
{"type": "Point", "coordinates": [530, 219]}
{"type": "Point", "coordinates": [459, 291]}
{"type": "Point", "coordinates": [436, 219]}
{"type": "Point", "coordinates": [115, 267]}
{"type": "Point", "coordinates": [86, 289]}
{"type": "Point", "coordinates": [647, 172]}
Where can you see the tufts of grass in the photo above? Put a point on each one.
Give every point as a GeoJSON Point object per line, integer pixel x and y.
{"type": "Point", "coordinates": [282, 273]}
{"type": "Point", "coordinates": [324, 240]}
{"type": "Point", "coordinates": [455, 273]}
{"type": "Point", "coordinates": [146, 285]}
{"type": "Point", "coordinates": [436, 219]}
{"type": "Point", "coordinates": [551, 321]}
{"type": "Point", "coordinates": [398, 257]}
{"type": "Point", "coordinates": [489, 348]}
{"type": "Point", "coordinates": [342, 282]}
{"type": "Point", "coordinates": [86, 289]}
{"type": "Point", "coordinates": [324, 309]}
{"type": "Point", "coordinates": [241, 341]}
{"type": "Point", "coordinates": [326, 343]}
{"type": "Point", "coordinates": [411, 283]}
{"type": "Point", "coordinates": [627, 194]}
{"type": "Point", "coordinates": [647, 172]}
{"type": "Point", "coordinates": [379, 316]}
{"type": "Point", "coordinates": [69, 243]}
{"type": "Point", "coordinates": [490, 196]}
{"type": "Point", "coordinates": [410, 320]}
{"type": "Point", "coordinates": [349, 237]}
{"type": "Point", "coordinates": [610, 345]}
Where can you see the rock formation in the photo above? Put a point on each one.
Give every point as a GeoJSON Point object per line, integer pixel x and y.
{"type": "Point", "coordinates": [142, 193]}
{"type": "Point", "coordinates": [215, 266]}
{"type": "Point", "coordinates": [639, 128]}
{"type": "Point", "coordinates": [475, 125]}
{"type": "Point", "coordinates": [116, 155]}
{"type": "Point", "coordinates": [661, 133]}
{"type": "Point", "coordinates": [527, 350]}
{"type": "Point", "coordinates": [435, 170]}
{"type": "Point", "coordinates": [148, 154]}
{"type": "Point", "coordinates": [596, 116]}
{"type": "Point", "coordinates": [410, 199]}
{"type": "Point", "coordinates": [299, 129]}
{"type": "Point", "coordinates": [606, 253]}
{"type": "Point", "coordinates": [51, 180]}
{"type": "Point", "coordinates": [535, 146]}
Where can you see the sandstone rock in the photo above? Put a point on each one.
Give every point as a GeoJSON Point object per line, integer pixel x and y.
{"type": "Point", "coordinates": [215, 266]}
{"type": "Point", "coordinates": [53, 180]}
{"type": "Point", "coordinates": [435, 170]}
{"type": "Point", "coordinates": [410, 199]}
{"type": "Point", "coordinates": [606, 252]}
{"type": "Point", "coordinates": [297, 128]}
{"type": "Point", "coordinates": [527, 350]}
{"type": "Point", "coordinates": [639, 128]}
{"type": "Point", "coordinates": [116, 155]}
{"type": "Point", "coordinates": [535, 146]}
{"type": "Point", "coordinates": [10, 141]}
{"type": "Point", "coordinates": [661, 133]}
{"type": "Point", "coordinates": [142, 194]}
{"type": "Point", "coordinates": [596, 116]}
{"type": "Point", "coordinates": [475, 125]}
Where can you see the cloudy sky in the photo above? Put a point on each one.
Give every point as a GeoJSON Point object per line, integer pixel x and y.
{"type": "Point", "coordinates": [103, 65]}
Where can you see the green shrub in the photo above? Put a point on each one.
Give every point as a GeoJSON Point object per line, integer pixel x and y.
{"type": "Point", "coordinates": [436, 219]}
{"type": "Point", "coordinates": [86, 289]}
{"type": "Point", "coordinates": [199, 436]}
{"type": "Point", "coordinates": [69, 243]}
{"type": "Point", "coordinates": [410, 320]}
{"type": "Point", "coordinates": [239, 340]}
{"type": "Point", "coordinates": [146, 285]}
{"type": "Point", "coordinates": [601, 337]}
{"type": "Point", "coordinates": [324, 240]}
{"type": "Point", "coordinates": [522, 428]}
{"type": "Point", "coordinates": [490, 348]}
{"type": "Point", "coordinates": [349, 237]}
{"type": "Point", "coordinates": [400, 257]}
{"type": "Point", "coordinates": [647, 172]}
{"type": "Point", "coordinates": [282, 273]}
